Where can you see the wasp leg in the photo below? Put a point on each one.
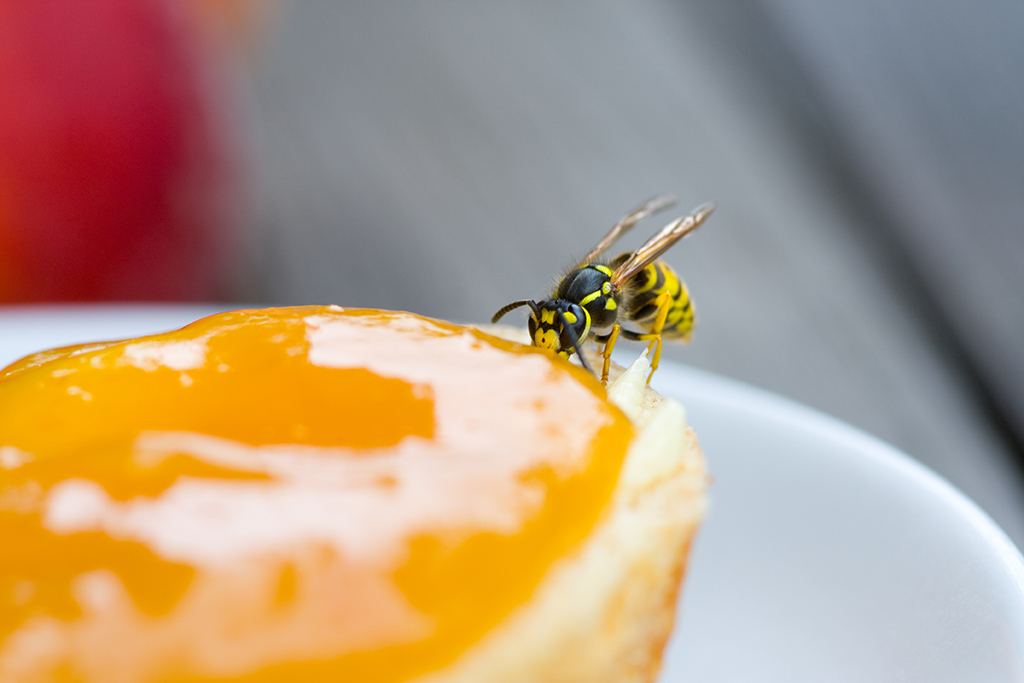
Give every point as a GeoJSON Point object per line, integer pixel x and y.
{"type": "Point", "coordinates": [609, 345]}
{"type": "Point", "coordinates": [664, 302]}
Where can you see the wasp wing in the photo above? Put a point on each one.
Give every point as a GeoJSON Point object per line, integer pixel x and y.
{"type": "Point", "coordinates": [648, 208]}
{"type": "Point", "coordinates": [659, 244]}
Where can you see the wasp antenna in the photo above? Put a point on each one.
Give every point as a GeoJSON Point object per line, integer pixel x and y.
{"type": "Point", "coordinates": [575, 343]}
{"type": "Point", "coordinates": [535, 308]}
{"type": "Point", "coordinates": [509, 307]}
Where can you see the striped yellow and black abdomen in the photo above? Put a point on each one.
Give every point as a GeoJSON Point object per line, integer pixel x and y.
{"type": "Point", "coordinates": [644, 289]}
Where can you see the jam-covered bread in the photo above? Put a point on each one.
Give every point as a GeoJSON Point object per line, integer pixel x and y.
{"type": "Point", "coordinates": [319, 494]}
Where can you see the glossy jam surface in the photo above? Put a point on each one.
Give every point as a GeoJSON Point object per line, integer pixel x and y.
{"type": "Point", "coordinates": [289, 494]}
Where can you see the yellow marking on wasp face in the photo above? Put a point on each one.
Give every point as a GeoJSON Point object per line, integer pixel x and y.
{"type": "Point", "coordinates": [570, 317]}
{"type": "Point", "coordinates": [589, 297]}
{"type": "Point", "coordinates": [545, 339]}
{"type": "Point", "coordinates": [606, 288]}
{"type": "Point", "coordinates": [547, 316]}
{"type": "Point", "coordinates": [604, 269]}
{"type": "Point", "coordinates": [610, 305]}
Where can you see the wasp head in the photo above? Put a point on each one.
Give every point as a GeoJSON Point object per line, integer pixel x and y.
{"type": "Point", "coordinates": [555, 324]}
{"type": "Point", "coordinates": [558, 325]}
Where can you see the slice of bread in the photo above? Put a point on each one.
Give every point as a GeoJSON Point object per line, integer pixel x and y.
{"type": "Point", "coordinates": [317, 494]}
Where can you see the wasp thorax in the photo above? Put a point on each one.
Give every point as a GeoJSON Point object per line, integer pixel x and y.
{"type": "Point", "coordinates": [591, 288]}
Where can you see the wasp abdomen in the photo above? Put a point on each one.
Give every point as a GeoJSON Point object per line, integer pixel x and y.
{"type": "Point", "coordinates": [650, 283]}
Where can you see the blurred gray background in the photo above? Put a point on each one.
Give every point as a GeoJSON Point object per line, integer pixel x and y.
{"type": "Point", "coordinates": [867, 158]}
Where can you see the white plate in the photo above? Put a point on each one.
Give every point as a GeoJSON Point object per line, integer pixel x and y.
{"type": "Point", "coordinates": [827, 555]}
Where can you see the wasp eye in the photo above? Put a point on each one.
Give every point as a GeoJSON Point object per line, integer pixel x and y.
{"type": "Point", "coordinates": [576, 317]}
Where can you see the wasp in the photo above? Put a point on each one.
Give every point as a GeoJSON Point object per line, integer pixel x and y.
{"type": "Point", "coordinates": [635, 295]}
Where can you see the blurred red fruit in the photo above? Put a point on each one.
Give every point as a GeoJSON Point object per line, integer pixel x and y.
{"type": "Point", "coordinates": [117, 180]}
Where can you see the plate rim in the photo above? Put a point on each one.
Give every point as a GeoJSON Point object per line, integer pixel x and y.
{"type": "Point", "coordinates": [737, 395]}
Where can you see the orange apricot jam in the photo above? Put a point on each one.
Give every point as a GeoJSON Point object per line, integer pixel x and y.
{"type": "Point", "coordinates": [287, 495]}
